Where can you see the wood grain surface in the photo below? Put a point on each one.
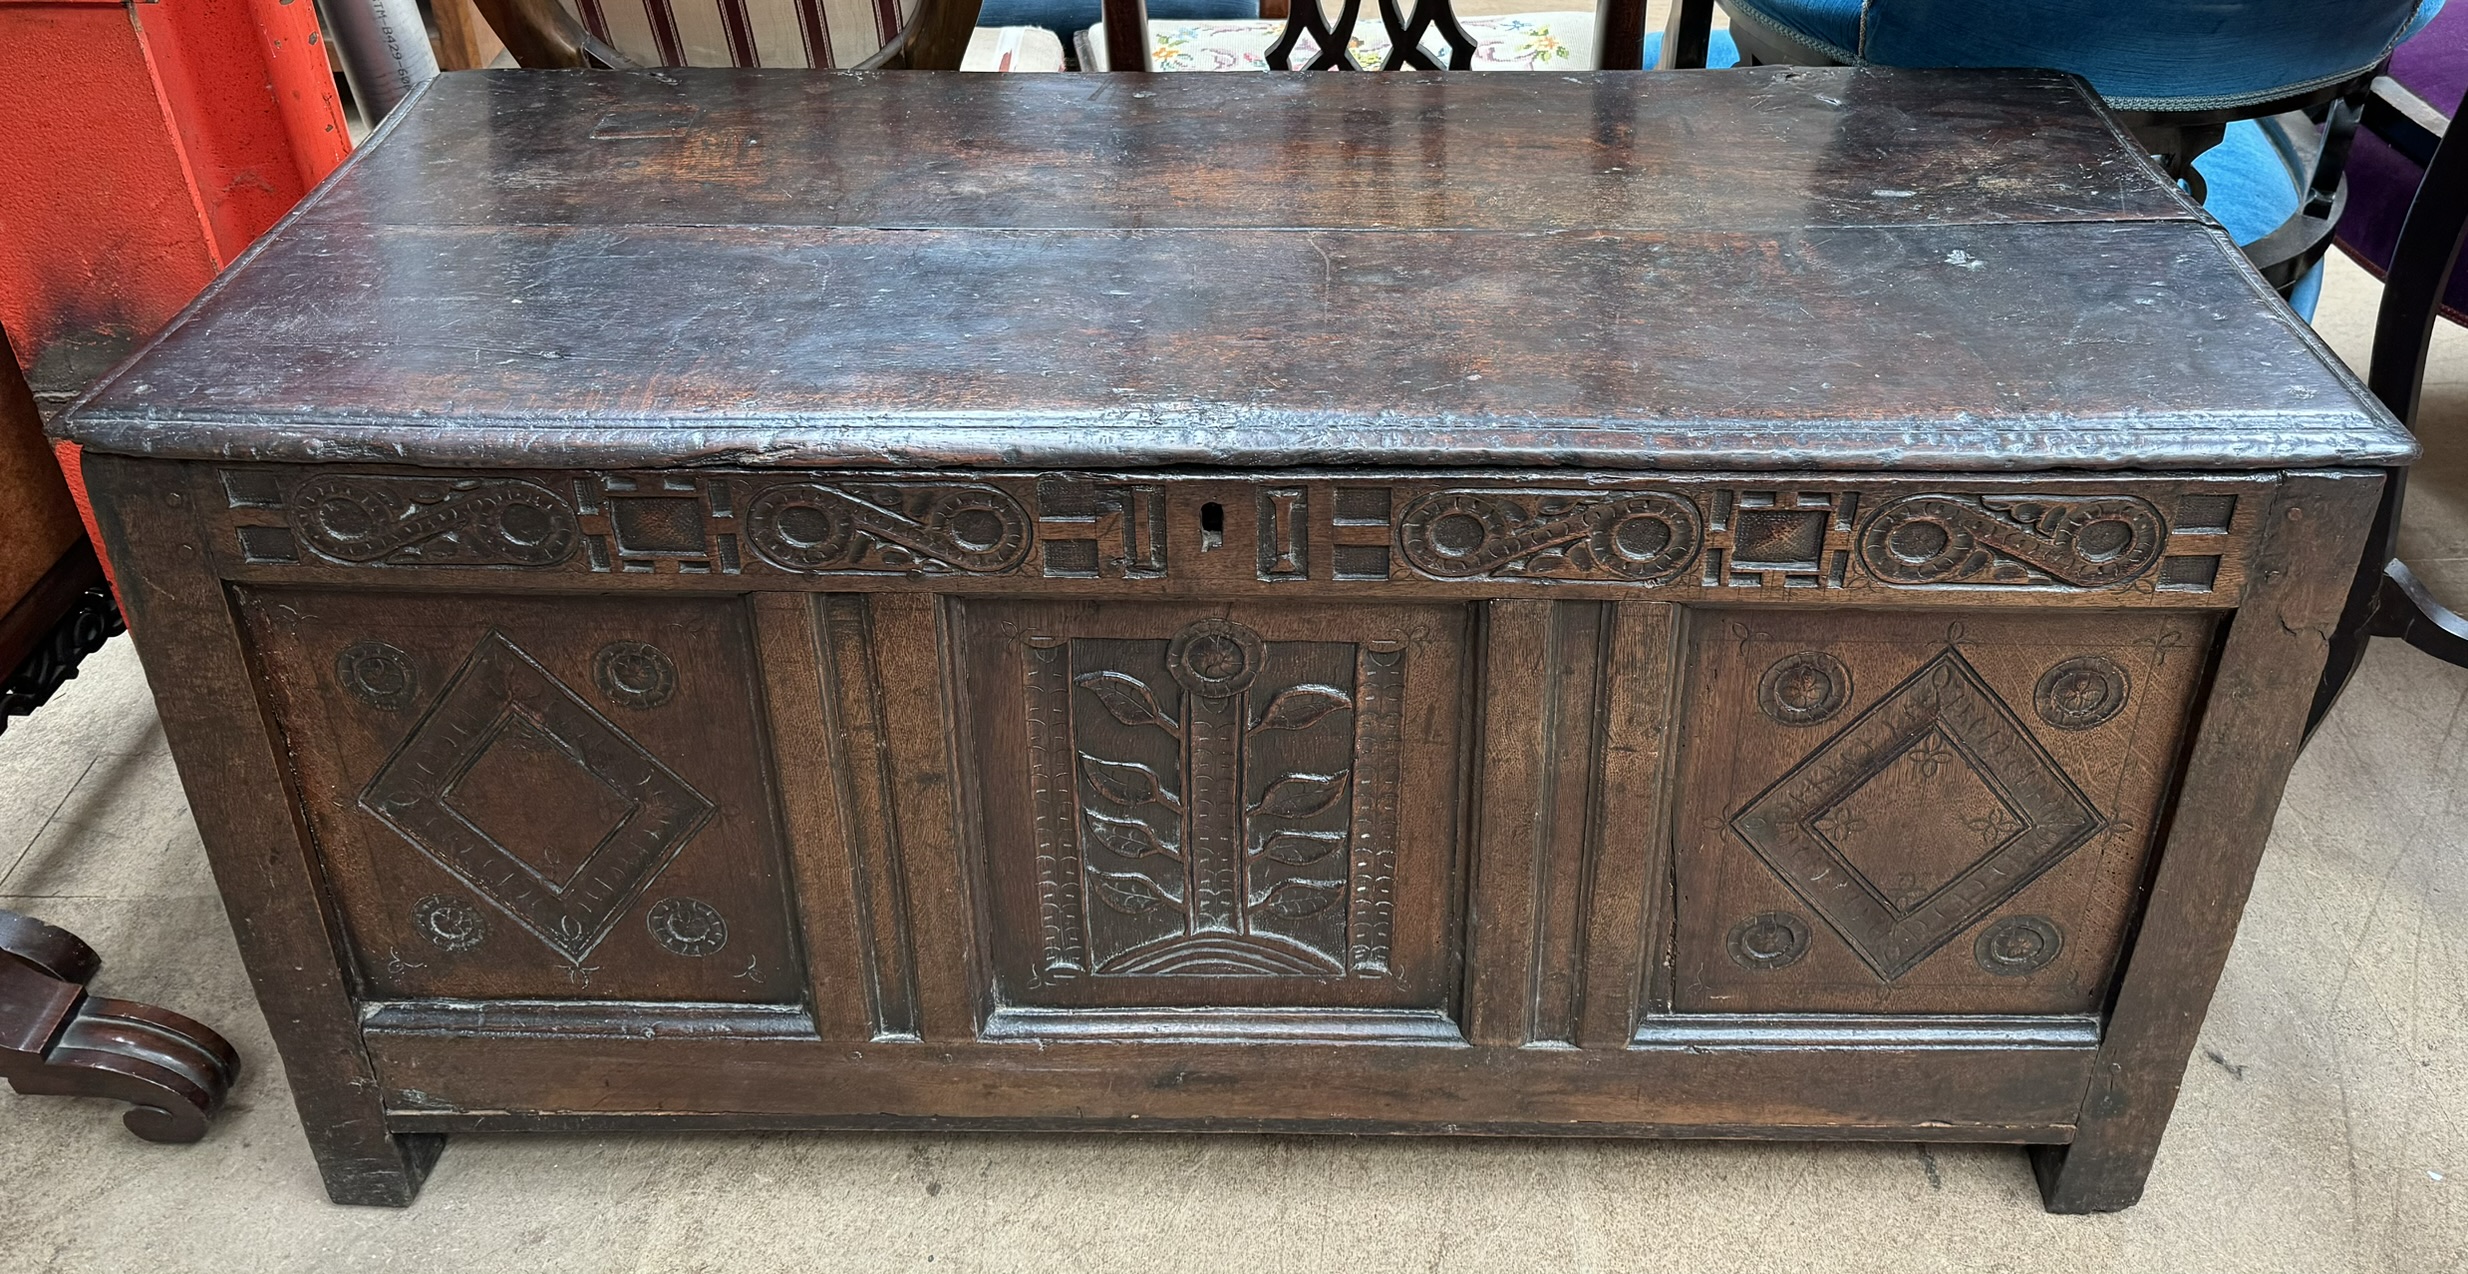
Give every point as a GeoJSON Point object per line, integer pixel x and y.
{"type": "Point", "coordinates": [1777, 269]}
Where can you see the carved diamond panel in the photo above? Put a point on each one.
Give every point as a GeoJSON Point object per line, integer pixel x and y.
{"type": "Point", "coordinates": [1951, 752]}
{"type": "Point", "coordinates": [1931, 800]}
{"type": "Point", "coordinates": [540, 774]}
{"type": "Point", "coordinates": [503, 712]}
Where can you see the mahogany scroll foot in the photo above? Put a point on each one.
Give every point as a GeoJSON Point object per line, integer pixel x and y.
{"type": "Point", "coordinates": [57, 1040]}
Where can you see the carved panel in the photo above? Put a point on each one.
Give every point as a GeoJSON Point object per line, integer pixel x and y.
{"type": "Point", "coordinates": [1941, 796]}
{"type": "Point", "coordinates": [560, 810]}
{"type": "Point", "coordinates": [1219, 809]}
{"type": "Point", "coordinates": [503, 702]}
{"type": "Point", "coordinates": [1248, 869]}
{"type": "Point", "coordinates": [1938, 747]}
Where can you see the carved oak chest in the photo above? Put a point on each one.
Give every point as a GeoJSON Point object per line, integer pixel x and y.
{"type": "Point", "coordinates": [1770, 603]}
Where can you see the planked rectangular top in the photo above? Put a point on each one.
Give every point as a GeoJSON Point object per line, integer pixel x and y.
{"type": "Point", "coordinates": [1767, 269]}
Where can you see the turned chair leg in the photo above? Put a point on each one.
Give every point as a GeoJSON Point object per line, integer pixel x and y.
{"type": "Point", "coordinates": [57, 1040]}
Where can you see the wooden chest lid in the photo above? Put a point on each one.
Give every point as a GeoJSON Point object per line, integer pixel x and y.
{"type": "Point", "coordinates": [1766, 269]}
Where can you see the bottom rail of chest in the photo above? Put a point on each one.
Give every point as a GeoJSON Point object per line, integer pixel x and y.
{"type": "Point", "coordinates": [2027, 1088]}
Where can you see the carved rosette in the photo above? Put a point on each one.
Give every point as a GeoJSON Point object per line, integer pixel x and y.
{"type": "Point", "coordinates": [450, 924]}
{"type": "Point", "coordinates": [925, 528]}
{"type": "Point", "coordinates": [430, 522]}
{"type": "Point", "coordinates": [1773, 940]}
{"type": "Point", "coordinates": [2018, 945]}
{"type": "Point", "coordinates": [1637, 537]}
{"type": "Point", "coordinates": [1804, 689]}
{"type": "Point", "coordinates": [378, 675]}
{"type": "Point", "coordinates": [634, 674]}
{"type": "Point", "coordinates": [687, 926]}
{"type": "Point", "coordinates": [2013, 541]}
{"type": "Point", "coordinates": [2081, 693]}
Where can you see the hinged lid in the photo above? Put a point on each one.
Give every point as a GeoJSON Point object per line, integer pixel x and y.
{"type": "Point", "coordinates": [1774, 268]}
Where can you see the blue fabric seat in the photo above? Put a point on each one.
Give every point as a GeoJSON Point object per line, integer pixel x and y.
{"type": "Point", "coordinates": [2256, 180]}
{"type": "Point", "coordinates": [2140, 54]}
{"type": "Point", "coordinates": [1066, 16]}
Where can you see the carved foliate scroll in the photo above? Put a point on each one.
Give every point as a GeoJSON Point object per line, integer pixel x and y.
{"type": "Point", "coordinates": [935, 528]}
{"type": "Point", "coordinates": [1643, 537]}
{"type": "Point", "coordinates": [430, 522]}
{"type": "Point", "coordinates": [1214, 805]}
{"type": "Point", "coordinates": [2099, 542]}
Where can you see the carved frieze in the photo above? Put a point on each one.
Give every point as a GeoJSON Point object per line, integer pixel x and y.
{"type": "Point", "coordinates": [1706, 535]}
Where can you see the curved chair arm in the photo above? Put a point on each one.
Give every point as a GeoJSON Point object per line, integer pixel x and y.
{"type": "Point", "coordinates": [935, 38]}
{"type": "Point", "coordinates": [540, 33]}
{"type": "Point", "coordinates": [2408, 122]}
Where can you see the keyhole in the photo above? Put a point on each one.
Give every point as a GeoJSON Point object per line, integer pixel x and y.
{"type": "Point", "coordinates": [1212, 526]}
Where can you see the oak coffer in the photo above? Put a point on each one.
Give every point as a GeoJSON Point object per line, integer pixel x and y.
{"type": "Point", "coordinates": [1767, 603]}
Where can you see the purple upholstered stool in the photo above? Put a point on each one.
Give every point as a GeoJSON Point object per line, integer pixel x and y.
{"type": "Point", "coordinates": [2382, 178]}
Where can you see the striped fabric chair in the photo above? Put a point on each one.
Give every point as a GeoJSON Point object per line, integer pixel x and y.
{"type": "Point", "coordinates": [903, 34]}
{"type": "Point", "coordinates": [744, 32]}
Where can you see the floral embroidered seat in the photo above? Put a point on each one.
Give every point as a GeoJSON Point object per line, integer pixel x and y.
{"type": "Point", "coordinates": [1556, 41]}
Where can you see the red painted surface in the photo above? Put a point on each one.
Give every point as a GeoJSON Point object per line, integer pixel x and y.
{"type": "Point", "coordinates": [147, 144]}
{"type": "Point", "coordinates": [143, 145]}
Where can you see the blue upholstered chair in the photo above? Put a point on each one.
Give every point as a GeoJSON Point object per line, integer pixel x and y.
{"type": "Point", "coordinates": [2250, 102]}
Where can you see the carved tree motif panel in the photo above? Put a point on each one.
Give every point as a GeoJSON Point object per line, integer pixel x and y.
{"type": "Point", "coordinates": [1218, 806]}
{"type": "Point", "coordinates": [535, 798]}
{"type": "Point", "coordinates": [1894, 813]}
